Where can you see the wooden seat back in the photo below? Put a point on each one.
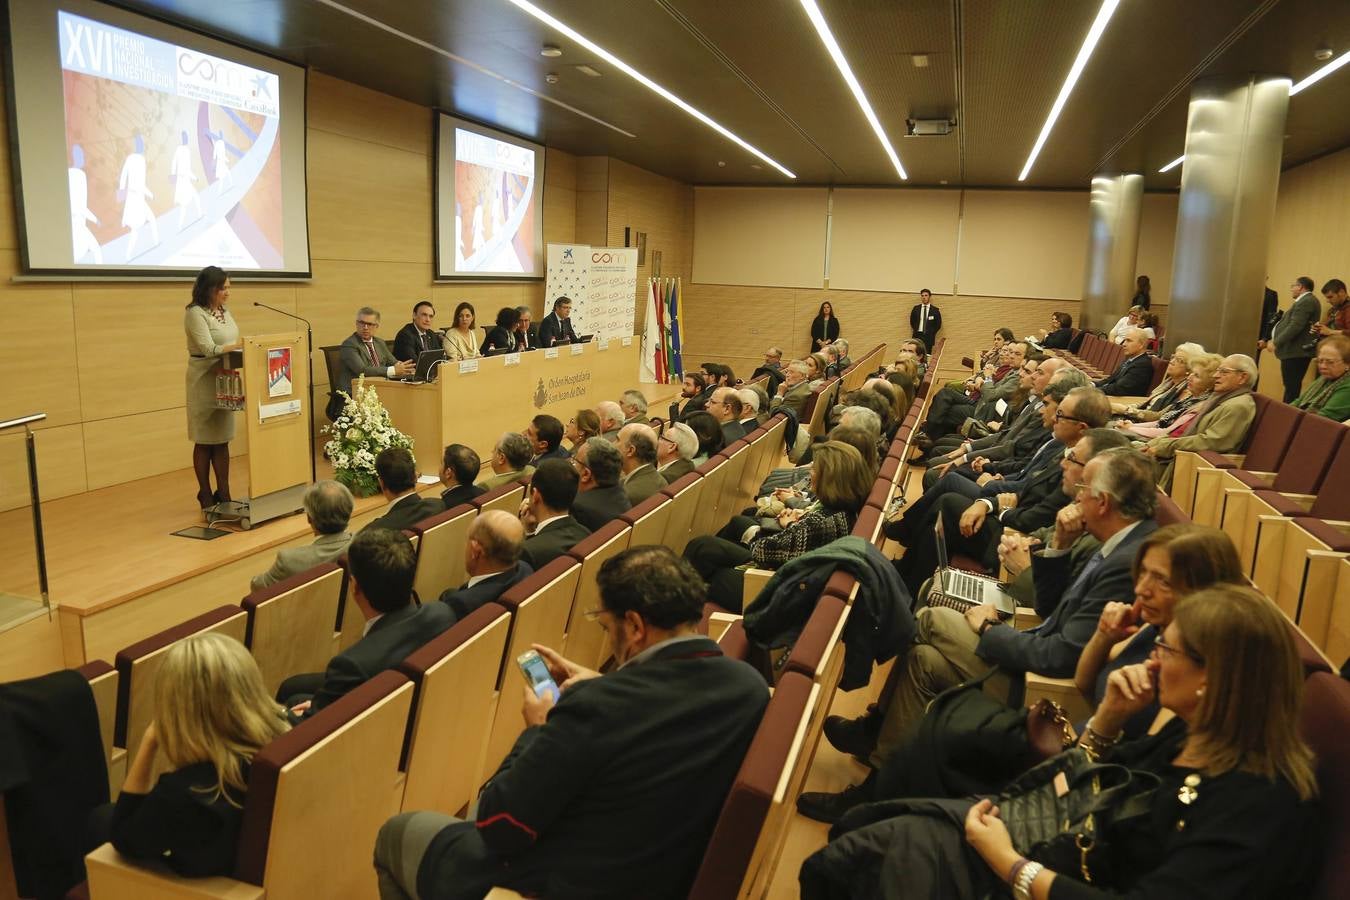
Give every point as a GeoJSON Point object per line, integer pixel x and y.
{"type": "Point", "coordinates": [291, 624]}
{"type": "Point", "coordinates": [649, 520]}
{"type": "Point", "coordinates": [587, 643]}
{"type": "Point", "coordinates": [714, 473]}
{"type": "Point", "coordinates": [685, 494]}
{"type": "Point", "coordinates": [506, 498]}
{"type": "Point", "coordinates": [440, 560]}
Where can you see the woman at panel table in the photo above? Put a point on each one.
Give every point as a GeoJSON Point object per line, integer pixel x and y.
{"type": "Point", "coordinates": [501, 337]}
{"type": "Point", "coordinates": [212, 715]}
{"type": "Point", "coordinates": [461, 339]}
{"type": "Point", "coordinates": [211, 333]}
{"type": "Point", "coordinates": [824, 328]}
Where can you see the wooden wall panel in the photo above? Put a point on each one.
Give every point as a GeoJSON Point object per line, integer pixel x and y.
{"type": "Point", "coordinates": [893, 239]}
{"type": "Point", "coordinates": [1023, 244]}
{"type": "Point", "coordinates": [38, 365]}
{"type": "Point", "coordinates": [145, 444]}
{"type": "Point", "coordinates": [660, 207]}
{"type": "Point", "coordinates": [1309, 234]}
{"type": "Point", "coordinates": [343, 108]}
{"type": "Point", "coordinates": [760, 236]}
{"type": "Point", "coordinates": [60, 456]}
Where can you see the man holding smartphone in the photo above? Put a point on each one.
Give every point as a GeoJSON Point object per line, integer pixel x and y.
{"type": "Point", "coordinates": [617, 784]}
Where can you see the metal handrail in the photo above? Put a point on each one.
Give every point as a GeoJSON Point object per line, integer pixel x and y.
{"type": "Point", "coordinates": [40, 545]}
{"type": "Point", "coordinates": [23, 420]}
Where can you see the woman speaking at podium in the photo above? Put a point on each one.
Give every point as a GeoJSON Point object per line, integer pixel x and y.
{"type": "Point", "coordinates": [211, 333]}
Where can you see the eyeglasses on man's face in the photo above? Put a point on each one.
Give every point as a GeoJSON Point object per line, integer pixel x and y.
{"type": "Point", "coordinates": [1061, 414]}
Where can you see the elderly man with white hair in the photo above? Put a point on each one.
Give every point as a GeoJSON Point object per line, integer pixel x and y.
{"type": "Point", "coordinates": [1135, 375]}
{"type": "Point", "coordinates": [637, 451]}
{"type": "Point", "coordinates": [1222, 422]}
{"type": "Point", "coordinates": [794, 390]}
{"type": "Point", "coordinates": [841, 349]}
{"type": "Point", "coordinates": [633, 403]}
{"type": "Point", "coordinates": [749, 409]}
{"type": "Point", "coordinates": [675, 451]}
{"type": "Point", "coordinates": [611, 419]}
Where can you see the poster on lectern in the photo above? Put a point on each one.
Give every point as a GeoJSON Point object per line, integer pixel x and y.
{"type": "Point", "coordinates": [602, 284]}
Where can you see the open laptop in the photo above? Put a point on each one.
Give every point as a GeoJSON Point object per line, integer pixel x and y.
{"type": "Point", "coordinates": [425, 367]}
{"type": "Point", "coordinates": [962, 590]}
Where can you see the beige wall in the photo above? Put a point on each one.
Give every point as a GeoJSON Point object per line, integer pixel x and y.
{"type": "Point", "coordinates": [1309, 237]}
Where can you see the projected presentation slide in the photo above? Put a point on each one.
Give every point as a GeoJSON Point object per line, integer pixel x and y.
{"type": "Point", "coordinates": [174, 155]}
{"type": "Point", "coordinates": [489, 200]}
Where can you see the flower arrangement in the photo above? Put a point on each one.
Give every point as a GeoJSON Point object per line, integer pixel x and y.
{"type": "Point", "coordinates": [361, 432]}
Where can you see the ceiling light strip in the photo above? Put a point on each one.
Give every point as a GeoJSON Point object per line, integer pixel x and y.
{"type": "Point", "coordinates": [1173, 164]}
{"type": "Point", "coordinates": [1321, 73]}
{"type": "Point", "coordinates": [556, 25]}
{"type": "Point", "coordinates": [827, 37]}
{"type": "Point", "coordinates": [1084, 53]}
{"type": "Point", "coordinates": [441, 51]}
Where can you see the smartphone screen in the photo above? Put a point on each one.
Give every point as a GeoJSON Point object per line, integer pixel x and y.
{"type": "Point", "coordinates": [534, 668]}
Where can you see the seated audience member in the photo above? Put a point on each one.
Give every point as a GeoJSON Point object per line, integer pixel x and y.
{"type": "Point", "coordinates": [839, 482]}
{"type": "Point", "coordinates": [817, 368]}
{"type": "Point", "coordinates": [1022, 436]}
{"type": "Point", "coordinates": [527, 335]}
{"type": "Point", "coordinates": [1126, 322]}
{"type": "Point", "coordinates": [633, 405]}
{"type": "Point", "coordinates": [545, 434]}
{"type": "Point", "coordinates": [501, 338]}
{"type": "Point", "coordinates": [510, 460]}
{"type": "Point", "coordinates": [552, 530]}
{"type": "Point", "coordinates": [1060, 333]}
{"type": "Point", "coordinates": [709, 433]}
{"type": "Point", "coordinates": [1170, 564]}
{"type": "Point", "coordinates": [461, 341]}
{"type": "Point", "coordinates": [460, 466]}
{"type": "Point", "coordinates": [328, 508]}
{"type": "Point", "coordinates": [761, 403]}
{"type": "Point", "coordinates": [725, 407]}
{"type": "Point", "coordinates": [381, 564]}
{"type": "Point", "coordinates": [794, 390]}
{"type": "Point", "coordinates": [694, 390]}
{"type": "Point", "coordinates": [1222, 421]}
{"type": "Point", "coordinates": [1135, 373]}
{"type": "Point", "coordinates": [675, 451]}
{"type": "Point", "coordinates": [919, 350]}
{"type": "Point", "coordinates": [992, 357]}
{"type": "Point", "coordinates": [1116, 500]}
{"type": "Point", "coordinates": [832, 367]}
{"type": "Point", "coordinates": [1338, 309]}
{"type": "Point", "coordinates": [637, 462]}
{"type": "Point", "coordinates": [581, 428]}
{"type": "Point", "coordinates": [610, 415]}
{"type": "Point", "coordinates": [491, 559]}
{"type": "Point", "coordinates": [749, 418]}
{"type": "Point", "coordinates": [773, 358]}
{"type": "Point", "coordinates": [841, 348]}
{"type": "Point", "coordinates": [557, 325]}
{"type": "Point", "coordinates": [1172, 386]}
{"type": "Point", "coordinates": [600, 496]}
{"type": "Point", "coordinates": [793, 483]}
{"type": "Point", "coordinates": [951, 407]}
{"type": "Point", "coordinates": [719, 375]}
{"type": "Point", "coordinates": [397, 471]}
{"type": "Point", "coordinates": [418, 336]}
{"type": "Point", "coordinates": [1329, 394]}
{"type": "Point", "coordinates": [211, 716]}
{"type": "Point", "coordinates": [585, 798]}
{"type": "Point", "coordinates": [1176, 418]}
{"type": "Point", "coordinates": [1148, 323]}
{"type": "Point", "coordinates": [894, 397]}
{"type": "Point", "coordinates": [1232, 815]}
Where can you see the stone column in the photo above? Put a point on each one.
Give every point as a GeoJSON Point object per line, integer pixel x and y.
{"type": "Point", "coordinates": [1234, 143]}
{"type": "Point", "coordinates": [1115, 206]}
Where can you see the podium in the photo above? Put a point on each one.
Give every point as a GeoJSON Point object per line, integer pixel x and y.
{"type": "Point", "coordinates": [276, 396]}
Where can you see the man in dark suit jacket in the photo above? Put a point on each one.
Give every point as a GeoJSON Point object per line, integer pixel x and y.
{"type": "Point", "coordinates": [459, 469]}
{"type": "Point", "coordinates": [725, 407]}
{"type": "Point", "coordinates": [952, 647]}
{"type": "Point", "coordinates": [600, 771]}
{"type": "Point", "coordinates": [545, 434]}
{"type": "Point", "coordinates": [1270, 314]}
{"type": "Point", "coordinates": [397, 471]}
{"type": "Point", "coordinates": [418, 335]}
{"type": "Point", "coordinates": [527, 335]}
{"type": "Point", "coordinates": [492, 559]}
{"type": "Point", "coordinates": [637, 453]}
{"type": "Point", "coordinates": [552, 531]}
{"type": "Point", "coordinates": [925, 319]}
{"type": "Point", "coordinates": [600, 497]}
{"type": "Point", "coordinates": [676, 448]}
{"type": "Point", "coordinates": [557, 325]}
{"type": "Point", "coordinates": [364, 354]}
{"type": "Point", "coordinates": [382, 563]}
{"type": "Point", "coordinates": [1135, 374]}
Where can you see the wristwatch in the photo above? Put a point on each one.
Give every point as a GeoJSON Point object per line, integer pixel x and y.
{"type": "Point", "coordinates": [987, 624]}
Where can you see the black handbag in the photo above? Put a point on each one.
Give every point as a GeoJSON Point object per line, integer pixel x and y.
{"type": "Point", "coordinates": [1064, 812]}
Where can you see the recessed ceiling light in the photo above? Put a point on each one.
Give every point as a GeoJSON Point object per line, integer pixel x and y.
{"type": "Point", "coordinates": [1321, 73]}
{"type": "Point", "coordinates": [1173, 164]}
{"type": "Point", "coordinates": [587, 70]}
{"type": "Point", "coordinates": [1084, 53]}
{"type": "Point", "coordinates": [550, 50]}
{"type": "Point", "coordinates": [756, 166]}
{"type": "Point", "coordinates": [721, 164]}
{"type": "Point", "coordinates": [574, 35]}
{"type": "Point", "coordinates": [484, 70]}
{"type": "Point", "coordinates": [826, 37]}
{"type": "Point", "coordinates": [919, 60]}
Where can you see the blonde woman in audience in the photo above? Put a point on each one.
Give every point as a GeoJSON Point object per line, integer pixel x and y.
{"type": "Point", "coordinates": [1172, 384]}
{"type": "Point", "coordinates": [212, 715]}
{"type": "Point", "coordinates": [461, 340]}
{"type": "Point", "coordinates": [581, 428]}
{"type": "Point", "coordinates": [816, 365]}
{"type": "Point", "coordinates": [1176, 418]}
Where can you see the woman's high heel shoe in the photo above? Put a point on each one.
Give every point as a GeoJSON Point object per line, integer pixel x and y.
{"type": "Point", "coordinates": [205, 499]}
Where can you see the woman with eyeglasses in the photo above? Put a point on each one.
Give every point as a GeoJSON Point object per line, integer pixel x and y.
{"type": "Point", "coordinates": [1173, 384]}
{"type": "Point", "coordinates": [1232, 816]}
{"type": "Point", "coordinates": [1174, 419]}
{"type": "Point", "coordinates": [1329, 394]}
{"type": "Point", "coordinates": [461, 340]}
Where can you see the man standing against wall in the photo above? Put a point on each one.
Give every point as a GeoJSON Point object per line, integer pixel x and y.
{"type": "Point", "coordinates": [1295, 344]}
{"type": "Point", "coordinates": [925, 319]}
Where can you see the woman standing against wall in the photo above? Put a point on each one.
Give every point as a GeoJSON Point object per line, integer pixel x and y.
{"type": "Point", "coordinates": [824, 328]}
{"type": "Point", "coordinates": [211, 333]}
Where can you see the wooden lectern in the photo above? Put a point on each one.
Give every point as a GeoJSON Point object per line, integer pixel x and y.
{"type": "Point", "coordinates": [276, 415]}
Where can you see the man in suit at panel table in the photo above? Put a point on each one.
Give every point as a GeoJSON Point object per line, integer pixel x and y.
{"type": "Point", "coordinates": [676, 448]}
{"type": "Point", "coordinates": [460, 466]}
{"type": "Point", "coordinates": [492, 560]}
{"type": "Point", "coordinates": [365, 354]}
{"type": "Point", "coordinates": [925, 319]}
{"type": "Point", "coordinates": [510, 460]}
{"type": "Point", "coordinates": [397, 471]}
{"type": "Point", "coordinates": [637, 454]}
{"type": "Point", "coordinates": [557, 325]}
{"type": "Point", "coordinates": [725, 407]}
{"type": "Point", "coordinates": [794, 390]}
{"type": "Point", "coordinates": [552, 530]}
{"type": "Point", "coordinates": [1135, 374]}
{"type": "Point", "coordinates": [600, 496]}
{"type": "Point", "coordinates": [328, 508]}
{"type": "Point", "coordinates": [381, 563]}
{"type": "Point", "coordinates": [527, 334]}
{"type": "Point", "coordinates": [418, 335]}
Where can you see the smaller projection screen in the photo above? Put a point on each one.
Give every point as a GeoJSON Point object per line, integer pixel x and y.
{"type": "Point", "coordinates": [145, 149]}
{"type": "Point", "coordinates": [489, 203]}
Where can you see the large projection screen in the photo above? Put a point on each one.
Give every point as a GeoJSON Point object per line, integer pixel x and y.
{"type": "Point", "coordinates": [145, 149]}
{"type": "Point", "coordinates": [489, 203]}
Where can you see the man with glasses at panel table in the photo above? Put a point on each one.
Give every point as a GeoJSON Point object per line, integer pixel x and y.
{"type": "Point", "coordinates": [365, 354]}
